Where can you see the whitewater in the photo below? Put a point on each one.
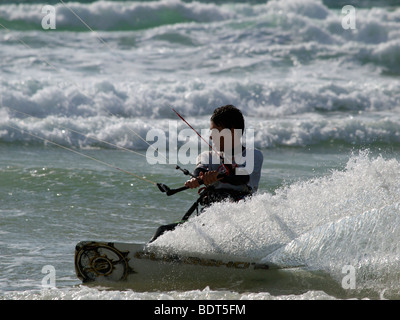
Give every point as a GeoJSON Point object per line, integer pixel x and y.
{"type": "Point", "coordinates": [323, 103]}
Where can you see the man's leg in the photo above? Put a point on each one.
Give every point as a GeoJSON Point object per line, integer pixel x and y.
{"type": "Point", "coordinates": [163, 229]}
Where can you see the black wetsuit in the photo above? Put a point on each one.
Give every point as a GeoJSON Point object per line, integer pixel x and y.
{"type": "Point", "coordinates": [232, 187]}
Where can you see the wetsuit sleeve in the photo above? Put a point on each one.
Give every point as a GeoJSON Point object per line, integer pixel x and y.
{"type": "Point", "coordinates": [256, 174]}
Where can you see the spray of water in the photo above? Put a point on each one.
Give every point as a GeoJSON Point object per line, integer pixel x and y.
{"type": "Point", "coordinates": [350, 217]}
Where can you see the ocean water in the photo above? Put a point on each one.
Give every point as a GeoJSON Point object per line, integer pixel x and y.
{"type": "Point", "coordinates": [77, 103]}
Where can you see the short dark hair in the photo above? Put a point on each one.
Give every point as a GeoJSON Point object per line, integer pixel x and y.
{"type": "Point", "coordinates": [228, 117]}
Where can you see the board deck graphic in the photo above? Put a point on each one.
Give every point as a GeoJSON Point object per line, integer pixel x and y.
{"type": "Point", "coordinates": [133, 264]}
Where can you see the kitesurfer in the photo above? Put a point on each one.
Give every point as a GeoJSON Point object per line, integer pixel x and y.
{"type": "Point", "coordinates": [230, 171]}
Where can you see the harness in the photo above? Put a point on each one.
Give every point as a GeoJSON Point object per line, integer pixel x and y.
{"type": "Point", "coordinates": [209, 195]}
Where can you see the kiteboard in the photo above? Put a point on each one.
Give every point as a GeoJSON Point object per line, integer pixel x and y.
{"type": "Point", "coordinates": [134, 265]}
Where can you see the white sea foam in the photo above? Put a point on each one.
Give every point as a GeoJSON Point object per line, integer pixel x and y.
{"type": "Point", "coordinates": [87, 293]}
{"type": "Point", "coordinates": [272, 60]}
{"type": "Point", "coordinates": [305, 130]}
{"type": "Point", "coordinates": [364, 241]}
{"type": "Point", "coordinates": [347, 218]}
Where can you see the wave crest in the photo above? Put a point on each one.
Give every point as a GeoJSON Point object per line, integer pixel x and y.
{"type": "Point", "coordinates": [112, 16]}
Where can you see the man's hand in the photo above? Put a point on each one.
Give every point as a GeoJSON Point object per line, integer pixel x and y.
{"type": "Point", "coordinates": [208, 177]}
{"type": "Point", "coordinates": [192, 183]}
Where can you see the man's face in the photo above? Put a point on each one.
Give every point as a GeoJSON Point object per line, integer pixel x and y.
{"type": "Point", "coordinates": [219, 135]}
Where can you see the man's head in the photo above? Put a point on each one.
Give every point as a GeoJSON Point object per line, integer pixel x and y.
{"type": "Point", "coordinates": [228, 117]}
{"type": "Point", "coordinates": [227, 127]}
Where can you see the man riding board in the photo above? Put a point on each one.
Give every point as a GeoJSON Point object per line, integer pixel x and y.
{"type": "Point", "coordinates": [230, 171]}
